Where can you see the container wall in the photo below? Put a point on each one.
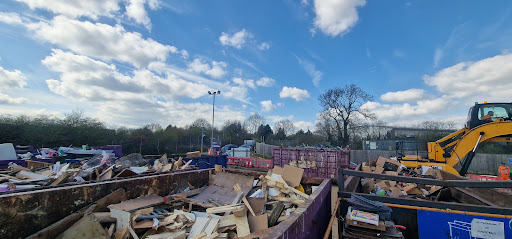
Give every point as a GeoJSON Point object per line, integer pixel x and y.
{"type": "Point", "coordinates": [309, 220]}
{"type": "Point", "coordinates": [317, 163]}
{"type": "Point", "coordinates": [43, 207]}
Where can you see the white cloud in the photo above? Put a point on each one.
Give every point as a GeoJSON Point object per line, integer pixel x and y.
{"type": "Point", "coordinates": [244, 83]}
{"type": "Point", "coordinates": [336, 17]}
{"type": "Point", "coordinates": [101, 41]}
{"type": "Point", "coordinates": [438, 55]}
{"type": "Point", "coordinates": [294, 93]}
{"type": "Point", "coordinates": [8, 81]}
{"type": "Point", "coordinates": [265, 82]}
{"type": "Point", "coordinates": [73, 9]}
{"type": "Point", "coordinates": [135, 10]}
{"type": "Point", "coordinates": [276, 118]}
{"type": "Point", "coordinates": [267, 105]}
{"type": "Point", "coordinates": [304, 125]}
{"type": "Point", "coordinates": [237, 40]}
{"type": "Point", "coordinates": [264, 46]}
{"type": "Point", "coordinates": [311, 70]}
{"type": "Point", "coordinates": [10, 18]}
{"type": "Point", "coordinates": [86, 79]}
{"type": "Point", "coordinates": [5, 99]}
{"type": "Point", "coordinates": [396, 112]}
{"type": "Point", "coordinates": [404, 96]}
{"type": "Point", "coordinates": [216, 70]}
{"type": "Point", "coordinates": [488, 79]}
{"type": "Point", "coordinates": [11, 79]}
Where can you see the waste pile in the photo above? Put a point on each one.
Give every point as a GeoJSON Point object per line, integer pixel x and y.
{"type": "Point", "coordinates": [369, 219]}
{"type": "Point", "coordinates": [497, 197]}
{"type": "Point", "coordinates": [393, 188]}
{"type": "Point", "coordinates": [99, 167]}
{"type": "Point", "coordinates": [229, 206]}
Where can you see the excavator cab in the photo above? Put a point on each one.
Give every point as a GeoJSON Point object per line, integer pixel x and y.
{"type": "Point", "coordinates": [485, 113]}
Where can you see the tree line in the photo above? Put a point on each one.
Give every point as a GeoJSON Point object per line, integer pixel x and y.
{"type": "Point", "coordinates": [342, 122]}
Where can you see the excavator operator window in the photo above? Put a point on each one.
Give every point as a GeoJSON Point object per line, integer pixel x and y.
{"type": "Point", "coordinates": [493, 112]}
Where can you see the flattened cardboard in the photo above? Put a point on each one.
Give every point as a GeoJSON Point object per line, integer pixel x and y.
{"type": "Point", "coordinates": [412, 190]}
{"type": "Point", "coordinates": [258, 223]}
{"type": "Point", "coordinates": [379, 170]}
{"type": "Point", "coordinates": [277, 170]}
{"type": "Point", "coordinates": [257, 204]}
{"type": "Point", "coordinates": [292, 175]}
{"type": "Point", "coordinates": [396, 192]}
{"type": "Point", "coordinates": [388, 164]}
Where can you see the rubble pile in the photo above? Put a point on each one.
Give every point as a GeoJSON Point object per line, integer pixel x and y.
{"type": "Point", "coordinates": [230, 206]}
{"type": "Point", "coordinates": [99, 167]}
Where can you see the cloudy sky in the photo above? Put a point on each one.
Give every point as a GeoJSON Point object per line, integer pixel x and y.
{"type": "Point", "coordinates": [135, 62]}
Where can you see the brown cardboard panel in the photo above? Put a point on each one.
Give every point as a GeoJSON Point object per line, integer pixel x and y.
{"type": "Point", "coordinates": [292, 175]}
{"type": "Point", "coordinates": [258, 223]}
{"type": "Point", "coordinates": [277, 170]}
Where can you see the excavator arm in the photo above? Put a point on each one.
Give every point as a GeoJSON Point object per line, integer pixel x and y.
{"type": "Point", "coordinates": [450, 150]}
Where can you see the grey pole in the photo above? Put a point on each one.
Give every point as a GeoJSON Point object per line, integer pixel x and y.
{"type": "Point", "coordinates": [213, 113]}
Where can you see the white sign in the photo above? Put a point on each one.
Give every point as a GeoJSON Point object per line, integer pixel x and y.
{"type": "Point", "coordinates": [487, 229]}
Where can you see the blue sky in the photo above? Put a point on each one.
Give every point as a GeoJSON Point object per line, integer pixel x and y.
{"type": "Point", "coordinates": [135, 62]}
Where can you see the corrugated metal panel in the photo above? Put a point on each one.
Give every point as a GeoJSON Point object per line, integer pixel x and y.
{"type": "Point", "coordinates": [317, 163]}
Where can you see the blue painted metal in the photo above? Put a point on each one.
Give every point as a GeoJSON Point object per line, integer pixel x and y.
{"type": "Point", "coordinates": [432, 224]}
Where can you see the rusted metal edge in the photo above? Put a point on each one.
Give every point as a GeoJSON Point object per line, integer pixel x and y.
{"type": "Point", "coordinates": [309, 220]}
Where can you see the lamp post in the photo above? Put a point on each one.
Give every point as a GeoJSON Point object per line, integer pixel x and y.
{"type": "Point", "coordinates": [213, 114]}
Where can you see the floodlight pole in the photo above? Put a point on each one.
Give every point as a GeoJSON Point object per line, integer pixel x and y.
{"type": "Point", "coordinates": [213, 112]}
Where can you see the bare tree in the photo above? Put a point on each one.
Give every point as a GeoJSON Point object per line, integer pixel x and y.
{"type": "Point", "coordinates": [200, 122]}
{"type": "Point", "coordinates": [287, 126]}
{"type": "Point", "coordinates": [253, 122]}
{"type": "Point", "coordinates": [340, 104]}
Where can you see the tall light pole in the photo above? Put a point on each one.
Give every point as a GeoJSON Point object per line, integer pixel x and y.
{"type": "Point", "coordinates": [213, 114]}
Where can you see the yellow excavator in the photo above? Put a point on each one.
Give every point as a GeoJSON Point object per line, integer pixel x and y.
{"type": "Point", "coordinates": [487, 122]}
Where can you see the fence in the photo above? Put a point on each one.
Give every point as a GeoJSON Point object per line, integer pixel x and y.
{"type": "Point", "coordinates": [265, 149]}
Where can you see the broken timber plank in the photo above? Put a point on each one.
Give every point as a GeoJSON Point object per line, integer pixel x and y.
{"type": "Point", "coordinates": [140, 202]}
{"type": "Point", "coordinates": [87, 227]}
{"type": "Point", "coordinates": [228, 208]}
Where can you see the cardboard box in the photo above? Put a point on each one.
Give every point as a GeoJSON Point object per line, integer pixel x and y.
{"type": "Point", "coordinates": [366, 169]}
{"type": "Point", "coordinates": [388, 164]}
{"type": "Point", "coordinates": [368, 186]}
{"type": "Point", "coordinates": [412, 190]}
{"type": "Point", "coordinates": [384, 185]}
{"type": "Point", "coordinates": [379, 170]}
{"type": "Point", "coordinates": [380, 227]}
{"type": "Point", "coordinates": [434, 188]}
{"type": "Point", "coordinates": [396, 192]}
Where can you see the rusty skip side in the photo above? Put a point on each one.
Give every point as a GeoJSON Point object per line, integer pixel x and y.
{"type": "Point", "coordinates": [24, 213]}
{"type": "Point", "coordinates": [309, 220]}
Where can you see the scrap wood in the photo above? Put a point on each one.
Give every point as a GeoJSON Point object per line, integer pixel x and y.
{"type": "Point", "coordinates": [288, 200]}
{"type": "Point", "coordinates": [204, 224]}
{"type": "Point", "coordinates": [107, 173]}
{"type": "Point", "coordinates": [190, 193]}
{"type": "Point", "coordinates": [104, 217]}
{"type": "Point", "coordinates": [126, 173]}
{"type": "Point", "coordinates": [110, 230]}
{"type": "Point", "coordinates": [329, 228]}
{"type": "Point", "coordinates": [221, 189]}
{"type": "Point", "coordinates": [186, 164]}
{"type": "Point", "coordinates": [247, 204]}
{"type": "Point", "coordinates": [228, 208]}
{"type": "Point", "coordinates": [132, 232]}
{"type": "Point", "coordinates": [87, 227]}
{"type": "Point", "coordinates": [123, 219]}
{"type": "Point", "coordinates": [177, 164]}
{"type": "Point", "coordinates": [242, 223]}
{"type": "Point", "coordinates": [30, 175]}
{"type": "Point", "coordinates": [64, 176]}
{"type": "Point", "coordinates": [115, 197]}
{"type": "Point", "coordinates": [140, 202]}
{"type": "Point", "coordinates": [121, 234]}
{"type": "Point", "coordinates": [283, 187]}
{"type": "Point", "coordinates": [201, 235]}
{"type": "Point", "coordinates": [60, 226]}
{"type": "Point", "coordinates": [169, 235]}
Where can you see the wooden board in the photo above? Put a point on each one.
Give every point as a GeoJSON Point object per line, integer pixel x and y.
{"type": "Point", "coordinates": [204, 224]}
{"type": "Point", "coordinates": [141, 202]}
{"type": "Point", "coordinates": [123, 219]}
{"type": "Point", "coordinates": [242, 226]}
{"type": "Point", "coordinates": [87, 227]}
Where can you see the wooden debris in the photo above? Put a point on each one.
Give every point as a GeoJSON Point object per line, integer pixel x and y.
{"type": "Point", "coordinates": [87, 227]}
{"type": "Point", "coordinates": [228, 208]}
{"type": "Point", "coordinates": [137, 203]}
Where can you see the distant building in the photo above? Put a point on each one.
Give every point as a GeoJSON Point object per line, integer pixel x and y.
{"type": "Point", "coordinates": [409, 136]}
